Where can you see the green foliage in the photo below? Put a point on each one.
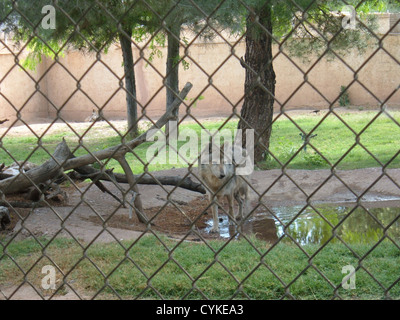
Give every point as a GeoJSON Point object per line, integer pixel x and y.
{"type": "Point", "coordinates": [380, 6]}
{"type": "Point", "coordinates": [307, 28]}
{"type": "Point", "coordinates": [37, 49]}
{"type": "Point", "coordinates": [193, 101]}
{"type": "Point", "coordinates": [314, 159]}
{"type": "Point", "coordinates": [97, 25]}
{"type": "Point", "coordinates": [156, 41]}
{"type": "Point", "coordinates": [85, 25]}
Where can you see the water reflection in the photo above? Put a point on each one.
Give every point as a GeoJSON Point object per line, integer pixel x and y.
{"type": "Point", "coordinates": [353, 224]}
{"type": "Point", "coordinates": [309, 226]}
{"type": "Point", "coordinates": [262, 226]}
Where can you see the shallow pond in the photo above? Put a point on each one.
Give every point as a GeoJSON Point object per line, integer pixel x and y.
{"type": "Point", "coordinates": [317, 225]}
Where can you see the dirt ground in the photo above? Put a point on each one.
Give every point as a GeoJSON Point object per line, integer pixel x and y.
{"type": "Point", "coordinates": [88, 215]}
{"type": "Point", "coordinates": [87, 209]}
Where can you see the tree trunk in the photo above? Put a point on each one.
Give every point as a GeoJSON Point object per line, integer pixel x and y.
{"type": "Point", "coordinates": [130, 83]}
{"type": "Point", "coordinates": [257, 109]}
{"type": "Point", "coordinates": [172, 71]}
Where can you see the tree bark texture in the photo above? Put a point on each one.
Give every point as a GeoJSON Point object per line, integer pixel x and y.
{"type": "Point", "coordinates": [257, 109]}
{"type": "Point", "coordinates": [130, 82]}
{"type": "Point", "coordinates": [172, 71]}
{"type": "Point", "coordinates": [172, 68]}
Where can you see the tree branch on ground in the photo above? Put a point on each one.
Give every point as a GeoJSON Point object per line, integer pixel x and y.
{"type": "Point", "coordinates": [63, 160]}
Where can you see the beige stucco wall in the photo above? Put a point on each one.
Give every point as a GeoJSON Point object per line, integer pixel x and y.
{"type": "Point", "coordinates": [214, 70]}
{"type": "Point", "coordinates": [18, 88]}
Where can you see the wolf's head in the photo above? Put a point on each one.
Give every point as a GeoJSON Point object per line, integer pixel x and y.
{"type": "Point", "coordinates": [218, 160]}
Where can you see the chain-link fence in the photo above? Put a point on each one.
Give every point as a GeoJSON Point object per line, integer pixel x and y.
{"type": "Point", "coordinates": [114, 180]}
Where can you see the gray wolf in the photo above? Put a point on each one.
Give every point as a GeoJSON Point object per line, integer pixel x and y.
{"type": "Point", "coordinates": [218, 173]}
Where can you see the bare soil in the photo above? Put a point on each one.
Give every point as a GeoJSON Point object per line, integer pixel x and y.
{"type": "Point", "coordinates": [172, 219]}
{"type": "Point", "coordinates": [175, 211]}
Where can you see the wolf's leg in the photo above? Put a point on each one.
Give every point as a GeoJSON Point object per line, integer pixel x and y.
{"type": "Point", "coordinates": [231, 210]}
{"type": "Point", "coordinates": [215, 227]}
{"type": "Point", "coordinates": [245, 210]}
{"type": "Point", "coordinates": [214, 209]}
{"type": "Point", "coordinates": [239, 200]}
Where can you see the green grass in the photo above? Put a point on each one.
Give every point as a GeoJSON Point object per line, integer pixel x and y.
{"type": "Point", "coordinates": [334, 140]}
{"type": "Point", "coordinates": [152, 270]}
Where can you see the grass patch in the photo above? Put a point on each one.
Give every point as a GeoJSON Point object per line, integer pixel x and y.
{"type": "Point", "coordinates": [336, 142]}
{"type": "Point", "coordinates": [341, 142]}
{"type": "Point", "coordinates": [150, 269]}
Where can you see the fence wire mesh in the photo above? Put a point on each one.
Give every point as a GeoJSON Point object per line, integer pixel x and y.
{"type": "Point", "coordinates": [89, 210]}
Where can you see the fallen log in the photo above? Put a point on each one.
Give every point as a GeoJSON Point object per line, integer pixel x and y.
{"type": "Point", "coordinates": [48, 170]}
{"type": "Point", "coordinates": [5, 176]}
{"type": "Point", "coordinates": [23, 204]}
{"type": "Point", "coordinates": [118, 152]}
{"type": "Point", "coordinates": [61, 160]}
{"type": "Point", "coordinates": [88, 170]}
{"type": "Point", "coordinates": [185, 183]}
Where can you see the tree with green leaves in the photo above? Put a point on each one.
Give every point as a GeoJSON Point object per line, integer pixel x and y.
{"type": "Point", "coordinates": [174, 16]}
{"type": "Point", "coordinates": [93, 25]}
{"type": "Point", "coordinates": [301, 28]}
{"type": "Point", "coordinates": [87, 25]}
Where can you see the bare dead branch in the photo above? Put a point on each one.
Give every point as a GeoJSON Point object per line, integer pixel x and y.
{"type": "Point", "coordinates": [185, 183]}
{"type": "Point", "coordinates": [134, 187]}
{"type": "Point", "coordinates": [127, 147]}
{"type": "Point", "coordinates": [63, 160]}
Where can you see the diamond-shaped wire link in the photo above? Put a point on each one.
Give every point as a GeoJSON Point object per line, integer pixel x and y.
{"type": "Point", "coordinates": [126, 261]}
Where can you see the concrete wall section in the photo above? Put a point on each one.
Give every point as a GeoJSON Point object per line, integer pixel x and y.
{"type": "Point", "coordinates": [80, 82]}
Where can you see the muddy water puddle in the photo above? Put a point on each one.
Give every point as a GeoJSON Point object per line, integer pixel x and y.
{"type": "Point", "coordinates": [317, 225]}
